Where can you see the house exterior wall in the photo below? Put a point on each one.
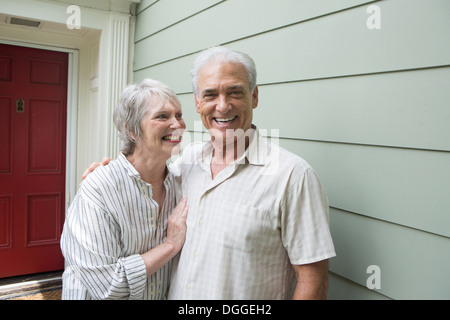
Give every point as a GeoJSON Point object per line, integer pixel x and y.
{"type": "Point", "coordinates": [357, 88]}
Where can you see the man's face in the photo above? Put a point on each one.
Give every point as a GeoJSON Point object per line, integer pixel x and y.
{"type": "Point", "coordinates": [225, 101]}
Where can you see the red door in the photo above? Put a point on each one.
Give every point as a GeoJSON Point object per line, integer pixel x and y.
{"type": "Point", "coordinates": [33, 91]}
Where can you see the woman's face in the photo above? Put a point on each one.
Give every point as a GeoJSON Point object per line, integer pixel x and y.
{"type": "Point", "coordinates": [162, 129]}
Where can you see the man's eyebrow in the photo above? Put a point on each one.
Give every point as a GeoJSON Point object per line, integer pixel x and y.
{"type": "Point", "coordinates": [236, 87]}
{"type": "Point", "coordinates": [208, 91]}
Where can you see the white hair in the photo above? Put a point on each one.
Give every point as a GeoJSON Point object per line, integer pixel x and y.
{"type": "Point", "coordinates": [223, 54]}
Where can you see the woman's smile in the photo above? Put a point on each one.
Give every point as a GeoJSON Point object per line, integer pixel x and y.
{"type": "Point", "coordinates": [172, 138]}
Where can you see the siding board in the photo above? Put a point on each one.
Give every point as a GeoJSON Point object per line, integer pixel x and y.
{"type": "Point", "coordinates": [334, 45]}
{"type": "Point", "coordinates": [174, 73]}
{"type": "Point", "coordinates": [145, 4]}
{"type": "Point", "coordinates": [402, 109]}
{"type": "Point", "coordinates": [413, 264]}
{"type": "Point", "coordinates": [230, 21]}
{"type": "Point", "coordinates": [154, 20]}
{"type": "Point", "coordinates": [342, 45]}
{"type": "Point", "coordinates": [407, 187]}
{"type": "Point", "coordinates": [190, 115]}
{"type": "Point", "coordinates": [341, 288]}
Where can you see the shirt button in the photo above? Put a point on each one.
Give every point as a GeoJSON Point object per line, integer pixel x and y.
{"type": "Point", "coordinates": [195, 253]}
{"type": "Point", "coordinates": [200, 222]}
{"type": "Point", "coordinates": [189, 286]}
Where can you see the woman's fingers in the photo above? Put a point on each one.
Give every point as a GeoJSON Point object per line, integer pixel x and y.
{"type": "Point", "coordinates": [181, 208]}
{"type": "Point", "coordinates": [176, 229]}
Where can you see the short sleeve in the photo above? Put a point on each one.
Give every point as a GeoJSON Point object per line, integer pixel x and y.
{"type": "Point", "coordinates": [305, 218]}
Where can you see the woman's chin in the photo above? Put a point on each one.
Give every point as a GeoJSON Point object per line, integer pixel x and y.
{"type": "Point", "coordinates": [172, 150]}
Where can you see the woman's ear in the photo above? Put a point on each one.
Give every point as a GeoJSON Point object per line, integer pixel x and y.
{"type": "Point", "coordinates": [131, 134]}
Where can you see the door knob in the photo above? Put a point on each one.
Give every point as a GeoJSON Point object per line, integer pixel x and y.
{"type": "Point", "coordinates": [20, 106]}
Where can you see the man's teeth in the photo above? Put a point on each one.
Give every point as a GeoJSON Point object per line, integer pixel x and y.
{"type": "Point", "coordinates": [222, 120]}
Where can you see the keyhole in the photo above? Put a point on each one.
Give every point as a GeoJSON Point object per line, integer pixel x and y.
{"type": "Point", "coordinates": [20, 106]}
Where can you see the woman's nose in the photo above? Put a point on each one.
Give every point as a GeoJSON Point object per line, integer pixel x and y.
{"type": "Point", "coordinates": [175, 124]}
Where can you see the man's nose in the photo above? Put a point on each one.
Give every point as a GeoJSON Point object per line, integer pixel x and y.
{"type": "Point", "coordinates": [223, 105]}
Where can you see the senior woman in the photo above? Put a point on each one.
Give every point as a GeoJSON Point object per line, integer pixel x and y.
{"type": "Point", "coordinates": [118, 239]}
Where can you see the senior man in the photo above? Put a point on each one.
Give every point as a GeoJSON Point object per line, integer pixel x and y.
{"type": "Point", "coordinates": [258, 221]}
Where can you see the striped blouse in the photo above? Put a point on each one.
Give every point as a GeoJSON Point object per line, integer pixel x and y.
{"type": "Point", "coordinates": [111, 221]}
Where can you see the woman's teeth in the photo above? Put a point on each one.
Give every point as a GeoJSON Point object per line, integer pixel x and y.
{"type": "Point", "coordinates": [223, 120]}
{"type": "Point", "coordinates": [172, 138]}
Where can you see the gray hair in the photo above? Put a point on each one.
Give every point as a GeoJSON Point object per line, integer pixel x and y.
{"type": "Point", "coordinates": [223, 54]}
{"type": "Point", "coordinates": [134, 102]}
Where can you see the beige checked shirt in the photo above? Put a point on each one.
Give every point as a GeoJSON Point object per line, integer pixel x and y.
{"type": "Point", "coordinates": [259, 215]}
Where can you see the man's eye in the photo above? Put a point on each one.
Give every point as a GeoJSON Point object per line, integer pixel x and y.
{"type": "Point", "coordinates": [236, 93]}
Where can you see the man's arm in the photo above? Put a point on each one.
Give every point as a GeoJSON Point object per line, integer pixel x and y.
{"type": "Point", "coordinates": [312, 281]}
{"type": "Point", "coordinates": [94, 165]}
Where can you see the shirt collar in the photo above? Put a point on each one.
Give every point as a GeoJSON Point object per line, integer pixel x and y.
{"type": "Point", "coordinates": [131, 171]}
{"type": "Point", "coordinates": [256, 151]}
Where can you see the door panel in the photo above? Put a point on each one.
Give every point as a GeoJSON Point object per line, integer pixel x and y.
{"type": "Point", "coordinates": [42, 220]}
{"type": "Point", "coordinates": [33, 91]}
{"type": "Point", "coordinates": [5, 135]}
{"type": "Point", "coordinates": [44, 136]}
{"type": "Point", "coordinates": [5, 221]}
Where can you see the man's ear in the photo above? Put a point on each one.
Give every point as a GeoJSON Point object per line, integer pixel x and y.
{"type": "Point", "coordinates": [255, 97]}
{"type": "Point", "coordinates": [197, 104]}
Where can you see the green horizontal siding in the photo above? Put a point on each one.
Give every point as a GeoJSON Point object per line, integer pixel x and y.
{"type": "Point", "coordinates": [407, 187]}
{"type": "Point", "coordinates": [368, 109]}
{"type": "Point", "coordinates": [230, 21]}
{"type": "Point", "coordinates": [413, 264]}
{"type": "Point", "coordinates": [156, 19]}
{"type": "Point", "coordinates": [341, 288]}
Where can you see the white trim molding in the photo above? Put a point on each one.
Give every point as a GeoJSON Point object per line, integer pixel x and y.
{"type": "Point", "coordinates": [119, 48]}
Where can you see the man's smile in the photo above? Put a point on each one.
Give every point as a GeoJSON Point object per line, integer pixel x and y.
{"type": "Point", "coordinates": [224, 120]}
